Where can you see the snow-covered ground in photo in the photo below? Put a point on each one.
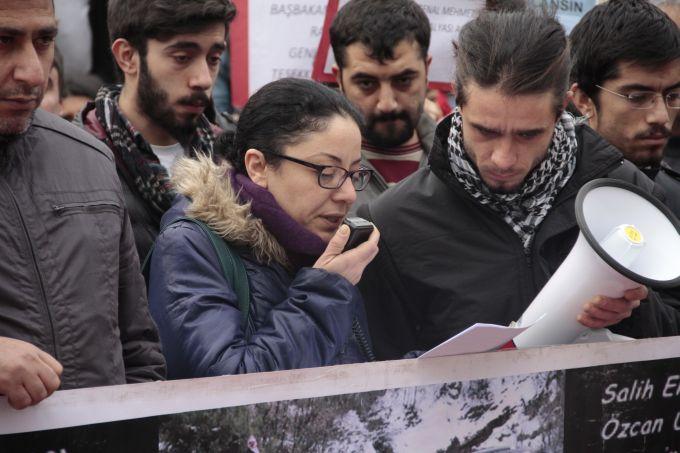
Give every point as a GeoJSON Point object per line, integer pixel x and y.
{"type": "Point", "coordinates": [511, 414]}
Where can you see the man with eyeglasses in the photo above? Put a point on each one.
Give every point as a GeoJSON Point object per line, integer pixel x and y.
{"type": "Point", "coordinates": [626, 82]}
{"type": "Point", "coordinates": [672, 152]}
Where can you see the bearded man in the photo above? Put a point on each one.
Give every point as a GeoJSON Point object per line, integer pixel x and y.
{"type": "Point", "coordinates": [381, 51]}
{"type": "Point", "coordinates": [475, 235]}
{"type": "Point", "coordinates": [168, 53]}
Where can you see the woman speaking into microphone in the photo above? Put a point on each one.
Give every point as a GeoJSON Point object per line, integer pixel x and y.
{"type": "Point", "coordinates": [286, 297]}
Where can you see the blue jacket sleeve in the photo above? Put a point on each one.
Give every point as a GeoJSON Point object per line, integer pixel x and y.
{"type": "Point", "coordinates": [197, 313]}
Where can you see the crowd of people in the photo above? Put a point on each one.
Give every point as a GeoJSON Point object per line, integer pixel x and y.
{"type": "Point", "coordinates": [147, 240]}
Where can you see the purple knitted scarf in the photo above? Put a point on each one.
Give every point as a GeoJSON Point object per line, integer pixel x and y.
{"type": "Point", "coordinates": [301, 245]}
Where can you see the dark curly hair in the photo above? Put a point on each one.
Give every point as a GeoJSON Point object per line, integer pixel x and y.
{"type": "Point", "coordinates": [379, 25]}
{"type": "Point", "coordinates": [280, 114]}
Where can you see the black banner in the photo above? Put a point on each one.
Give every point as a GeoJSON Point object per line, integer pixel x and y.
{"type": "Point", "coordinates": [632, 407]}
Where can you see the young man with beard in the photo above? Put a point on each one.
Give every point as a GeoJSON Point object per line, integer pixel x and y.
{"type": "Point", "coordinates": [168, 52]}
{"type": "Point", "coordinates": [474, 236]}
{"type": "Point", "coordinates": [626, 81]}
{"type": "Point", "coordinates": [380, 49]}
{"type": "Point", "coordinates": [72, 300]}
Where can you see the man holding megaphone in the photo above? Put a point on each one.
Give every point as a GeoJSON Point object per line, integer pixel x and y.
{"type": "Point", "coordinates": [476, 235]}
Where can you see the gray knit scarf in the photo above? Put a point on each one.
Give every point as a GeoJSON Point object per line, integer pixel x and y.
{"type": "Point", "coordinates": [525, 209]}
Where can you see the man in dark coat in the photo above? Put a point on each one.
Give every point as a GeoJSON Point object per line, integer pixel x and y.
{"type": "Point", "coordinates": [73, 309]}
{"type": "Point", "coordinates": [626, 81]}
{"type": "Point", "coordinates": [168, 53]}
{"type": "Point", "coordinates": [476, 235]}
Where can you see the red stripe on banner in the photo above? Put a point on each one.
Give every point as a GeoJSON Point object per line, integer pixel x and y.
{"type": "Point", "coordinates": [443, 86]}
{"type": "Point", "coordinates": [318, 73]}
{"type": "Point", "coordinates": [239, 50]}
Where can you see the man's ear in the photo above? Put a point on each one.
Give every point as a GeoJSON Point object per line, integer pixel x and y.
{"type": "Point", "coordinates": [256, 167]}
{"type": "Point", "coordinates": [428, 62]}
{"type": "Point", "coordinates": [126, 56]}
{"type": "Point", "coordinates": [337, 73]}
{"type": "Point", "coordinates": [584, 104]}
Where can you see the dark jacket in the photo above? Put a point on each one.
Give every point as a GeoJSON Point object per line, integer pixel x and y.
{"type": "Point", "coordinates": [145, 223]}
{"type": "Point", "coordinates": [69, 275]}
{"type": "Point", "coordinates": [298, 319]}
{"type": "Point", "coordinates": [447, 262]}
{"type": "Point", "coordinates": [668, 176]}
{"type": "Point", "coordinates": [377, 184]}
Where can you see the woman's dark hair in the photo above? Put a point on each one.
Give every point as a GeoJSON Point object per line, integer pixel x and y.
{"type": "Point", "coordinates": [280, 114]}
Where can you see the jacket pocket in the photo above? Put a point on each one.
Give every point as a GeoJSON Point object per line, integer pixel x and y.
{"type": "Point", "coordinates": [85, 207]}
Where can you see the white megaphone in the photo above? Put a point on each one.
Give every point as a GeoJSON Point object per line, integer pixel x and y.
{"type": "Point", "coordinates": [628, 238]}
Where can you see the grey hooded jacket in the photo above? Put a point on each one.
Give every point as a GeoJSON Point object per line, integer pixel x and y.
{"type": "Point", "coordinates": [69, 275]}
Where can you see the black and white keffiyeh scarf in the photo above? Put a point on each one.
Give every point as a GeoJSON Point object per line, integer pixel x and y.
{"type": "Point", "coordinates": [525, 209]}
{"type": "Point", "coordinates": [141, 166]}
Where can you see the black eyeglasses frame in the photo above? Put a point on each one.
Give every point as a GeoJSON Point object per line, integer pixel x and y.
{"type": "Point", "coordinates": [320, 168]}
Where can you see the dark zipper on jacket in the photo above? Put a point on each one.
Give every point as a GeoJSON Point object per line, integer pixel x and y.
{"type": "Point", "coordinates": [60, 209]}
{"type": "Point", "coordinates": [362, 341]}
{"type": "Point", "coordinates": [37, 271]}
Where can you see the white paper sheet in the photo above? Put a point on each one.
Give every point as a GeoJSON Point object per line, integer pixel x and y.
{"type": "Point", "coordinates": [477, 338]}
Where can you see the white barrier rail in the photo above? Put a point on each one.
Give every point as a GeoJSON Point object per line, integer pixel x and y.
{"type": "Point", "coordinates": [106, 404]}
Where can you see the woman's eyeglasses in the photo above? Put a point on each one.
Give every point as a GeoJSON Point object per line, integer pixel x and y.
{"type": "Point", "coordinates": [330, 176]}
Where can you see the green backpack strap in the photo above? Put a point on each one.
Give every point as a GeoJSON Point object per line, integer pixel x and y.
{"type": "Point", "coordinates": [231, 264]}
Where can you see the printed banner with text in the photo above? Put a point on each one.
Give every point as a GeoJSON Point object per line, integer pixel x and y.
{"type": "Point", "coordinates": [608, 397]}
{"type": "Point", "coordinates": [270, 40]}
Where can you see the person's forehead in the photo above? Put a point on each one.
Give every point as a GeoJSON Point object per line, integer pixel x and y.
{"type": "Point", "coordinates": [27, 15]}
{"type": "Point", "coordinates": [491, 108]}
{"type": "Point", "coordinates": [655, 77]}
{"type": "Point", "coordinates": [407, 55]}
{"type": "Point", "coordinates": [673, 11]}
{"type": "Point", "coordinates": [213, 34]}
{"type": "Point", "coordinates": [18, 8]}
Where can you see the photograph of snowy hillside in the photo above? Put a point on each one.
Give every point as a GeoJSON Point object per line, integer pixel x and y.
{"type": "Point", "coordinates": [510, 414]}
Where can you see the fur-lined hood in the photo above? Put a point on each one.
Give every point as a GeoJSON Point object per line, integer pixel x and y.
{"type": "Point", "coordinates": [215, 202]}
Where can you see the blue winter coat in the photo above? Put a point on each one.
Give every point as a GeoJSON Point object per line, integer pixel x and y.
{"type": "Point", "coordinates": [297, 321]}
